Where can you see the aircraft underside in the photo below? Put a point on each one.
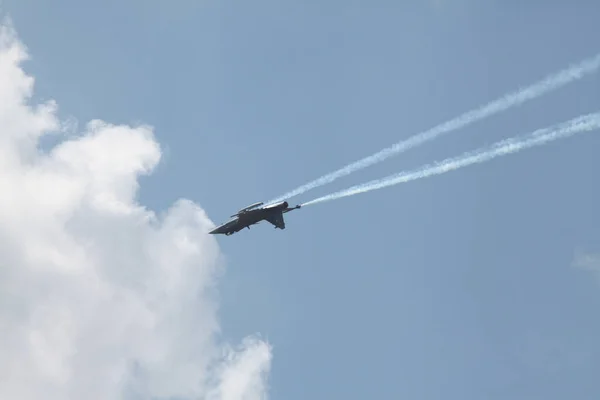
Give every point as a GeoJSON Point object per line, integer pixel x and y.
{"type": "Point", "coordinates": [247, 218]}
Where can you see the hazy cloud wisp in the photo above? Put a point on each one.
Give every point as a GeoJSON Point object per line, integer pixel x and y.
{"type": "Point", "coordinates": [588, 262]}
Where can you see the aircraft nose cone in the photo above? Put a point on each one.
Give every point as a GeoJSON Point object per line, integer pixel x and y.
{"type": "Point", "coordinates": [219, 230]}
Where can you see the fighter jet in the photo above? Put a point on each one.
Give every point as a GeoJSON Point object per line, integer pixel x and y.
{"type": "Point", "coordinates": [253, 214]}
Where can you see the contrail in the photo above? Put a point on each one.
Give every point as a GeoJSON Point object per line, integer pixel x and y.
{"type": "Point", "coordinates": [551, 82]}
{"type": "Point", "coordinates": [583, 123]}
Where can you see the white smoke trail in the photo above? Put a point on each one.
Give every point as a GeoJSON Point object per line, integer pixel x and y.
{"type": "Point", "coordinates": [551, 82]}
{"type": "Point", "coordinates": [583, 123]}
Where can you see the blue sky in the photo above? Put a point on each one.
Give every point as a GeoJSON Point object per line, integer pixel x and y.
{"type": "Point", "coordinates": [461, 286]}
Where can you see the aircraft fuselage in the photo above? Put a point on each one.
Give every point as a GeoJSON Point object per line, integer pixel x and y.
{"type": "Point", "coordinates": [247, 217]}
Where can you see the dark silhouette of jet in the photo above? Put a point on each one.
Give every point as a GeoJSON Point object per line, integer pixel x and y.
{"type": "Point", "coordinates": [253, 214]}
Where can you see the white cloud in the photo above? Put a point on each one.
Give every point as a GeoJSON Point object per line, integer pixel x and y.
{"type": "Point", "coordinates": [99, 297]}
